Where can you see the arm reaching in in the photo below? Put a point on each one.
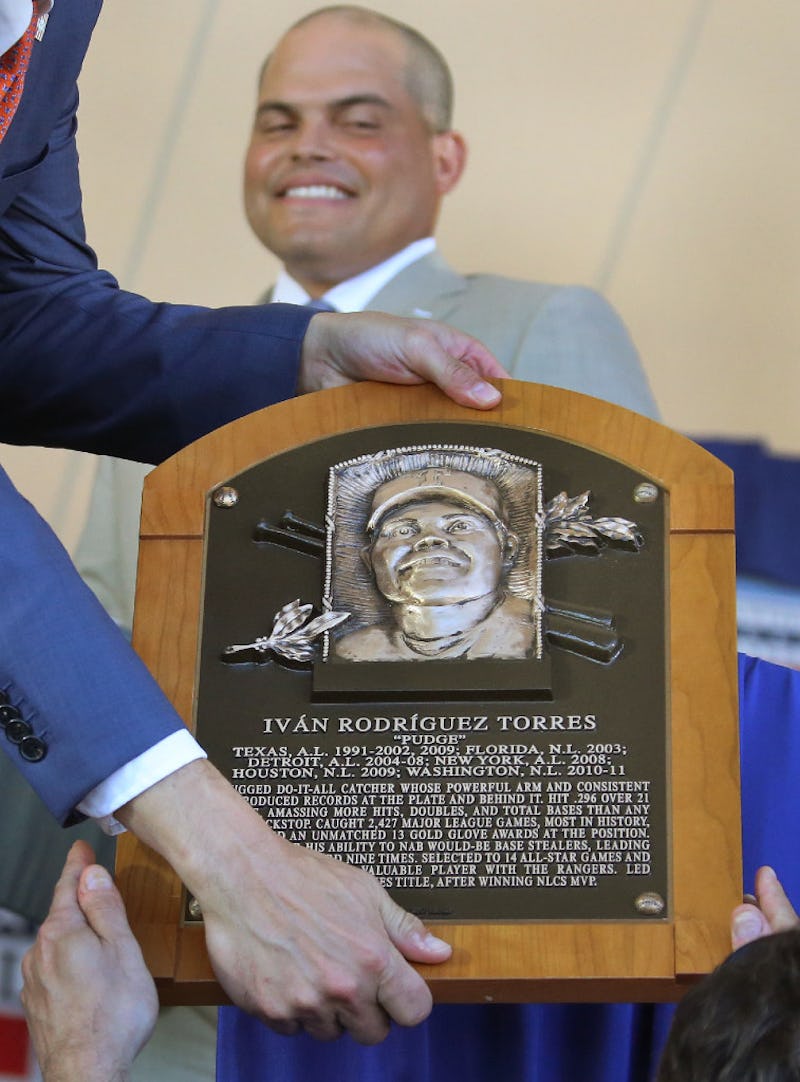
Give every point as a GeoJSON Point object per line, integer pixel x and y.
{"type": "Point", "coordinates": [340, 349]}
{"type": "Point", "coordinates": [90, 1002]}
{"type": "Point", "coordinates": [772, 912]}
{"type": "Point", "coordinates": [298, 939]}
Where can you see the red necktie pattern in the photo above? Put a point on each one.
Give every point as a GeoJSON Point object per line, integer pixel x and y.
{"type": "Point", "coordinates": [13, 65]}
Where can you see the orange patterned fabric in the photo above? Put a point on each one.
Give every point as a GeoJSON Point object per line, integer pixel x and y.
{"type": "Point", "coordinates": [13, 66]}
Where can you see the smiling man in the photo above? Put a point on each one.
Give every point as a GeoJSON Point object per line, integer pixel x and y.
{"type": "Point", "coordinates": [351, 154]}
{"type": "Point", "coordinates": [351, 150]}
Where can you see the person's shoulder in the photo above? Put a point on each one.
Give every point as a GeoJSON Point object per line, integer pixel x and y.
{"type": "Point", "coordinates": [502, 287]}
{"type": "Point", "coordinates": [543, 292]}
{"type": "Point", "coordinates": [507, 296]}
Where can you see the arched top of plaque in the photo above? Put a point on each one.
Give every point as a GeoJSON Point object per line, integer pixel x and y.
{"type": "Point", "coordinates": [700, 486]}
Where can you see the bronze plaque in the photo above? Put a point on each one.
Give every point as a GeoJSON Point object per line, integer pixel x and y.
{"type": "Point", "coordinates": [438, 651]}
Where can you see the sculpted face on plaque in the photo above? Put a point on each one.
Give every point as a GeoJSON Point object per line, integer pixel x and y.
{"type": "Point", "coordinates": [439, 551]}
{"type": "Point", "coordinates": [434, 552]}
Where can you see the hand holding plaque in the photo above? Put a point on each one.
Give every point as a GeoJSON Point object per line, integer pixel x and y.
{"type": "Point", "coordinates": [297, 938]}
{"type": "Point", "coordinates": [340, 349]}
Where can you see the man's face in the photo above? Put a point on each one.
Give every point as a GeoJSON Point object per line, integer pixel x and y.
{"type": "Point", "coordinates": [342, 170]}
{"type": "Point", "coordinates": [436, 553]}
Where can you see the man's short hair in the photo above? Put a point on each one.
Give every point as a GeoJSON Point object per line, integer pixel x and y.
{"type": "Point", "coordinates": [741, 1023]}
{"type": "Point", "coordinates": [427, 74]}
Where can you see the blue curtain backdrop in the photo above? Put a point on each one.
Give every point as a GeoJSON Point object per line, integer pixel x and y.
{"type": "Point", "coordinates": [766, 487]}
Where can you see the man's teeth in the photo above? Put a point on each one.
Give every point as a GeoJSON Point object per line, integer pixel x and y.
{"type": "Point", "coordinates": [315, 191]}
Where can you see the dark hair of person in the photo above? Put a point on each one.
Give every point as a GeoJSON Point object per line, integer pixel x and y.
{"type": "Point", "coordinates": [742, 1022]}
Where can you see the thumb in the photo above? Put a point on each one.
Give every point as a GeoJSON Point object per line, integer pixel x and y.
{"type": "Point", "coordinates": [411, 937]}
{"type": "Point", "coordinates": [63, 905]}
{"type": "Point", "coordinates": [747, 923]}
{"type": "Point", "coordinates": [773, 902]}
{"type": "Point", "coordinates": [102, 904]}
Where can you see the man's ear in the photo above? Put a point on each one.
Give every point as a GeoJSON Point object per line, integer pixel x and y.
{"type": "Point", "coordinates": [449, 159]}
{"type": "Point", "coordinates": [510, 547]}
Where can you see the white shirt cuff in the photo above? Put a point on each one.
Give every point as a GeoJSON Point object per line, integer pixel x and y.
{"type": "Point", "coordinates": [152, 766]}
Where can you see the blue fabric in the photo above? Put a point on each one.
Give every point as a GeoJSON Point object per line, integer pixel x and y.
{"type": "Point", "coordinates": [769, 697]}
{"type": "Point", "coordinates": [556, 1043]}
{"type": "Point", "coordinates": [767, 508]}
{"type": "Point", "coordinates": [517, 1043]}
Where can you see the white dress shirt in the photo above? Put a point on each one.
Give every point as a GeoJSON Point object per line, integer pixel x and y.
{"type": "Point", "coordinates": [356, 293]}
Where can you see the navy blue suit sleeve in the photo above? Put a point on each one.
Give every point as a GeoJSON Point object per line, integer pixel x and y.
{"type": "Point", "coordinates": [77, 685]}
{"type": "Point", "coordinates": [87, 365]}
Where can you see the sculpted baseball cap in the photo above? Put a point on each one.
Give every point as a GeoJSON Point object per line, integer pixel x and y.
{"type": "Point", "coordinates": [437, 483]}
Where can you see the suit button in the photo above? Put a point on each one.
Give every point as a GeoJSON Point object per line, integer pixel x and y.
{"type": "Point", "coordinates": [8, 713]}
{"type": "Point", "coordinates": [17, 730]}
{"type": "Point", "coordinates": [32, 749]}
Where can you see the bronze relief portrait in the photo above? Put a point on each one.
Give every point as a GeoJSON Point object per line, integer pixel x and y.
{"type": "Point", "coordinates": [435, 553]}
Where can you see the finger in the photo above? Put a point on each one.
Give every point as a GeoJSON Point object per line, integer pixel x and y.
{"type": "Point", "coordinates": [329, 1029]}
{"type": "Point", "coordinates": [102, 905]}
{"type": "Point", "coordinates": [460, 381]}
{"type": "Point", "coordinates": [774, 904]}
{"type": "Point", "coordinates": [410, 935]}
{"type": "Point", "coordinates": [478, 357]}
{"type": "Point", "coordinates": [458, 364]}
{"type": "Point", "coordinates": [370, 1025]}
{"type": "Point", "coordinates": [66, 889]}
{"type": "Point", "coordinates": [748, 923]}
{"type": "Point", "coordinates": [403, 994]}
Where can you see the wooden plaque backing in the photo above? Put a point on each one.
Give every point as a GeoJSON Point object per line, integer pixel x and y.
{"type": "Point", "coordinates": [492, 962]}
